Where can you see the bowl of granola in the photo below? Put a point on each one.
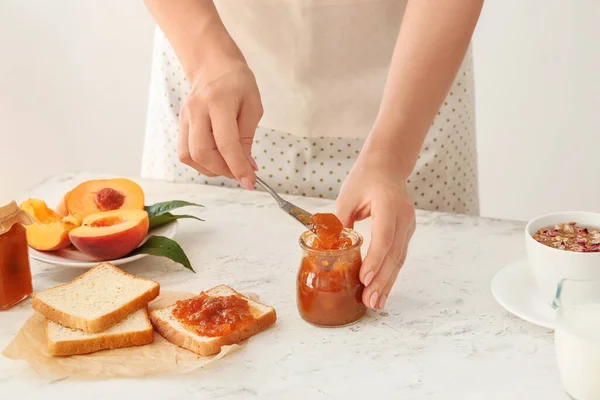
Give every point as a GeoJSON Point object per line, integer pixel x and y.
{"type": "Point", "coordinates": [563, 245]}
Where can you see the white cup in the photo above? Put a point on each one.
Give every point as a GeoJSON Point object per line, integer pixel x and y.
{"type": "Point", "coordinates": [549, 265]}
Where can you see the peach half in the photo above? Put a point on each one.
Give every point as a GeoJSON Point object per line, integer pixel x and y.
{"type": "Point", "coordinates": [50, 232]}
{"type": "Point", "coordinates": [98, 195]}
{"type": "Point", "coordinates": [110, 235]}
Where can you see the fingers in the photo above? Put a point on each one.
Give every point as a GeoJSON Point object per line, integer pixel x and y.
{"type": "Point", "coordinates": [387, 288]}
{"type": "Point", "coordinates": [219, 152]}
{"type": "Point", "coordinates": [248, 120]}
{"type": "Point", "coordinates": [183, 148]}
{"type": "Point", "coordinates": [383, 232]}
{"type": "Point", "coordinates": [377, 292]}
{"type": "Point", "coordinates": [227, 140]}
{"type": "Point", "coordinates": [202, 147]}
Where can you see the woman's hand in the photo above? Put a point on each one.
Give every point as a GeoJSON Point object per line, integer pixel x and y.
{"type": "Point", "coordinates": [217, 124]}
{"type": "Point", "coordinates": [219, 117]}
{"type": "Point", "coordinates": [375, 188]}
{"type": "Point", "coordinates": [423, 66]}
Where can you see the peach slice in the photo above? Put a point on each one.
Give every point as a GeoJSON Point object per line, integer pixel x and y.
{"type": "Point", "coordinates": [98, 195]}
{"type": "Point", "coordinates": [50, 232]}
{"type": "Point", "coordinates": [61, 209]}
{"type": "Point", "coordinates": [110, 235]}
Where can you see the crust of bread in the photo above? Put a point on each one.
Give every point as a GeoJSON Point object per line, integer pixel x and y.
{"type": "Point", "coordinates": [211, 346]}
{"type": "Point", "coordinates": [102, 323]}
{"type": "Point", "coordinates": [108, 342]}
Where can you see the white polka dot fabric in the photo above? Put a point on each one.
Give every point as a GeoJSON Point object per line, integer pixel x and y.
{"type": "Point", "coordinates": [445, 178]}
{"type": "Point", "coordinates": [313, 167]}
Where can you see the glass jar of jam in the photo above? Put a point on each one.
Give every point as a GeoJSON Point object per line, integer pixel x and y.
{"type": "Point", "coordinates": [15, 273]}
{"type": "Point", "coordinates": [329, 290]}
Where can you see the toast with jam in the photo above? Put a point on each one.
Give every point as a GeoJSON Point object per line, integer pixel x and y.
{"type": "Point", "coordinates": [215, 318]}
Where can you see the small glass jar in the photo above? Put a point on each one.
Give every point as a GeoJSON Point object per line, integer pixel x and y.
{"type": "Point", "coordinates": [15, 273]}
{"type": "Point", "coordinates": [329, 290]}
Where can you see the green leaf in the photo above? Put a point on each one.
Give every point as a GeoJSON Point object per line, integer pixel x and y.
{"type": "Point", "coordinates": [164, 247]}
{"type": "Point", "coordinates": [166, 206]}
{"type": "Point", "coordinates": [161, 219]}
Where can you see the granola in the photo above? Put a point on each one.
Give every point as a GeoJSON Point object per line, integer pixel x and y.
{"type": "Point", "coordinates": [570, 237]}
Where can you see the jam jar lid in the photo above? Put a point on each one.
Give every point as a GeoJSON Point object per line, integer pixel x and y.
{"type": "Point", "coordinates": [11, 214]}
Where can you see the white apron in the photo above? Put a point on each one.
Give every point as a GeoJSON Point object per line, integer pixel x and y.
{"type": "Point", "coordinates": [321, 67]}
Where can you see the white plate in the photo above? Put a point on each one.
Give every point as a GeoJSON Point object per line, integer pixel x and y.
{"type": "Point", "coordinates": [515, 290]}
{"type": "Point", "coordinates": [71, 257]}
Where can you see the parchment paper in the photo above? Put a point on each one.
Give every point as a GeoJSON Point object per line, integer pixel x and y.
{"type": "Point", "coordinates": [159, 357]}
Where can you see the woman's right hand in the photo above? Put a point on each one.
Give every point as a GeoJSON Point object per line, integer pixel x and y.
{"type": "Point", "coordinates": [217, 124]}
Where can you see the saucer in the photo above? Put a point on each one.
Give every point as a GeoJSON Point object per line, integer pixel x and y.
{"type": "Point", "coordinates": [516, 291]}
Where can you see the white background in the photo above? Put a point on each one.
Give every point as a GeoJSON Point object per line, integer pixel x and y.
{"type": "Point", "coordinates": [74, 78]}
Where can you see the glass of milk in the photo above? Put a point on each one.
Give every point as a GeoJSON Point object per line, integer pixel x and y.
{"type": "Point", "coordinates": [577, 337]}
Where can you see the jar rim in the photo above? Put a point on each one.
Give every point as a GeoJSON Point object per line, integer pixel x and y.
{"type": "Point", "coordinates": [349, 232]}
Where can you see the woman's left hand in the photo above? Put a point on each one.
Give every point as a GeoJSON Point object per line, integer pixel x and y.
{"type": "Point", "coordinates": [376, 188]}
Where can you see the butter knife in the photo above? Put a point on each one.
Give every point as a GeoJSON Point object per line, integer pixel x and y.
{"type": "Point", "coordinates": [296, 212]}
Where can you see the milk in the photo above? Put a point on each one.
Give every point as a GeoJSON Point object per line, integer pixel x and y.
{"type": "Point", "coordinates": [577, 341]}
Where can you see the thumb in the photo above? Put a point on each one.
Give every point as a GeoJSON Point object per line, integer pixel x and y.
{"type": "Point", "coordinates": [345, 210]}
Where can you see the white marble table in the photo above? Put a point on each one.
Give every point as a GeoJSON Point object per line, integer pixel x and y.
{"type": "Point", "coordinates": [442, 335]}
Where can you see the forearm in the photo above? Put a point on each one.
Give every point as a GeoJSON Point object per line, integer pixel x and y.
{"type": "Point", "coordinates": [431, 45]}
{"type": "Point", "coordinates": [197, 35]}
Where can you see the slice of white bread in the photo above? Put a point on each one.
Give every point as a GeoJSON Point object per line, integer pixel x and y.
{"type": "Point", "coordinates": [96, 300]}
{"type": "Point", "coordinates": [135, 330]}
{"type": "Point", "coordinates": [177, 333]}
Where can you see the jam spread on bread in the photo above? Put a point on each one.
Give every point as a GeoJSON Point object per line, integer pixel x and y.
{"type": "Point", "coordinates": [329, 290]}
{"type": "Point", "coordinates": [213, 316]}
{"type": "Point", "coordinates": [328, 229]}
